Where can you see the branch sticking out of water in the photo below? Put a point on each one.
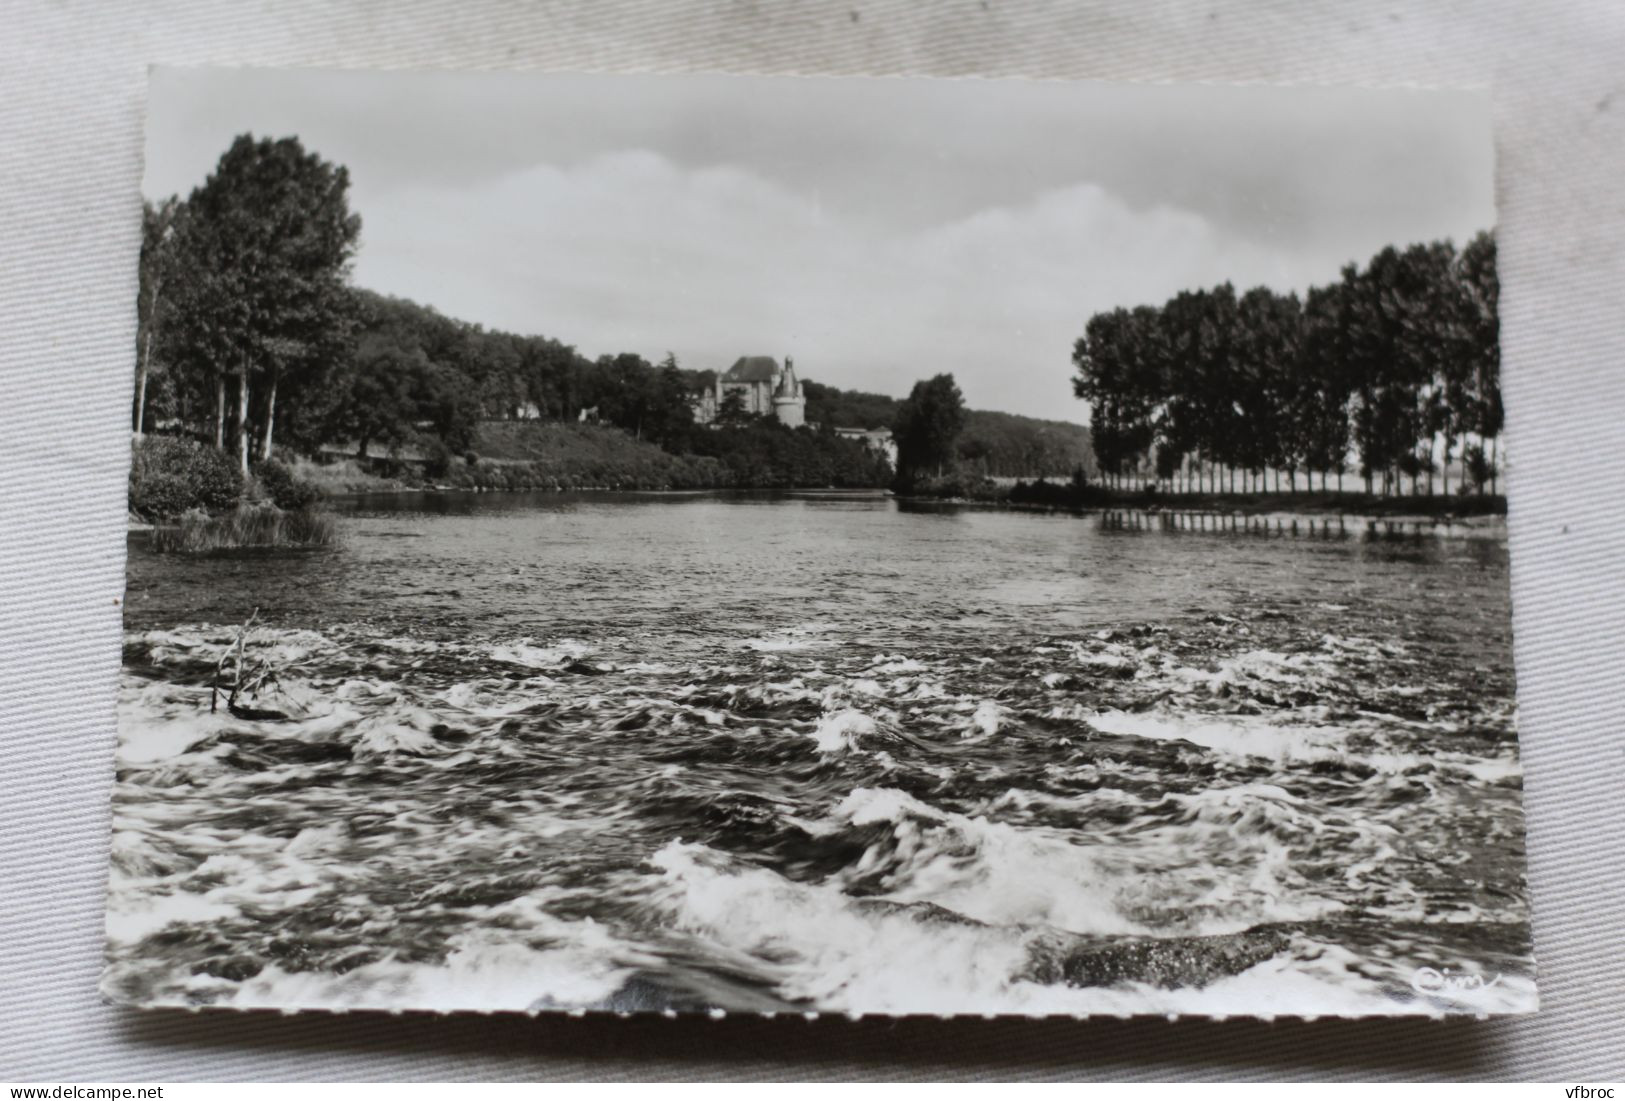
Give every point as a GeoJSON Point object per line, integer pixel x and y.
{"type": "Point", "coordinates": [261, 676]}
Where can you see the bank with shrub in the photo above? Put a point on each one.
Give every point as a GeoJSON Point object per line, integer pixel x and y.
{"type": "Point", "coordinates": [196, 499]}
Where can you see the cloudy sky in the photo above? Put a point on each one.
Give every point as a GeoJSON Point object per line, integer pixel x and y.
{"type": "Point", "coordinates": [878, 230]}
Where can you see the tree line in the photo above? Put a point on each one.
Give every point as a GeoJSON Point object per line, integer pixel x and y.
{"type": "Point", "coordinates": [987, 443]}
{"type": "Point", "coordinates": [1394, 370]}
{"type": "Point", "coordinates": [419, 378]}
{"type": "Point", "coordinates": [244, 294]}
{"type": "Point", "coordinates": [250, 336]}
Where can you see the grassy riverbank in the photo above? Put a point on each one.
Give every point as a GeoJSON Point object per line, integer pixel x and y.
{"type": "Point", "coordinates": [250, 525]}
{"type": "Point", "coordinates": [543, 455]}
{"type": "Point", "coordinates": [192, 498]}
{"type": "Point", "coordinates": [550, 455]}
{"type": "Point", "coordinates": [523, 455]}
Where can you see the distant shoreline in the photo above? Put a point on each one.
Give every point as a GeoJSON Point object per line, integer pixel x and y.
{"type": "Point", "coordinates": [1360, 506]}
{"type": "Point", "coordinates": [1351, 506]}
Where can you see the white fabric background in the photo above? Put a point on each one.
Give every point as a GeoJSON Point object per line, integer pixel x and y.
{"type": "Point", "coordinates": [73, 79]}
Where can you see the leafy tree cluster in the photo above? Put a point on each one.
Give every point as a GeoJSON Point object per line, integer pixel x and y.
{"type": "Point", "coordinates": [244, 288]}
{"type": "Point", "coordinates": [991, 444]}
{"type": "Point", "coordinates": [762, 453]}
{"type": "Point", "coordinates": [244, 295]}
{"type": "Point", "coordinates": [250, 336]}
{"type": "Point", "coordinates": [418, 377]}
{"type": "Point", "coordinates": [421, 378]}
{"type": "Point", "coordinates": [927, 429]}
{"type": "Point", "coordinates": [1397, 363]}
{"type": "Point", "coordinates": [1006, 445]}
{"type": "Point", "coordinates": [848, 408]}
{"type": "Point", "coordinates": [170, 476]}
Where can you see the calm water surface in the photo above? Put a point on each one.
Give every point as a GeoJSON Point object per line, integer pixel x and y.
{"type": "Point", "coordinates": [825, 752]}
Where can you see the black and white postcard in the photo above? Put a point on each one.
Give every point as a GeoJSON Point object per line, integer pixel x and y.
{"type": "Point", "coordinates": [701, 544]}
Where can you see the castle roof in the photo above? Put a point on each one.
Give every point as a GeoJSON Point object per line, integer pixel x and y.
{"type": "Point", "coordinates": [752, 369]}
{"type": "Point", "coordinates": [788, 386]}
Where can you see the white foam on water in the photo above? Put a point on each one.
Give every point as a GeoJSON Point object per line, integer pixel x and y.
{"type": "Point", "coordinates": [484, 971]}
{"type": "Point", "coordinates": [1242, 739]}
{"type": "Point", "coordinates": [526, 653]}
{"type": "Point", "coordinates": [1021, 799]}
{"type": "Point", "coordinates": [1287, 743]}
{"type": "Point", "coordinates": [406, 645]}
{"type": "Point", "coordinates": [988, 871]}
{"type": "Point", "coordinates": [280, 647]}
{"type": "Point", "coordinates": [895, 663]}
{"type": "Point", "coordinates": [402, 729]}
{"type": "Point", "coordinates": [986, 719]}
{"type": "Point", "coordinates": [917, 688]}
{"type": "Point", "coordinates": [159, 721]}
{"type": "Point", "coordinates": [1251, 667]}
{"type": "Point", "coordinates": [774, 645]}
{"type": "Point", "coordinates": [815, 944]}
{"type": "Point", "coordinates": [1308, 981]}
{"type": "Point", "coordinates": [840, 731]}
{"type": "Point", "coordinates": [1489, 770]}
{"type": "Point", "coordinates": [1113, 660]}
{"type": "Point", "coordinates": [865, 806]}
{"type": "Point", "coordinates": [137, 915]}
{"type": "Point", "coordinates": [1219, 858]}
{"type": "Point", "coordinates": [492, 698]}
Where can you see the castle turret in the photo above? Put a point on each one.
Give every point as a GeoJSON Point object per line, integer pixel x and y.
{"type": "Point", "coordinates": [789, 406]}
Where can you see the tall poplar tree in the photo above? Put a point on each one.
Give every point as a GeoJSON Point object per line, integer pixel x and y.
{"type": "Point", "coordinates": [267, 240]}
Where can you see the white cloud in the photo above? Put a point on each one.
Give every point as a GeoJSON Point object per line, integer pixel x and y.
{"type": "Point", "coordinates": [631, 252]}
{"type": "Point", "coordinates": [879, 230]}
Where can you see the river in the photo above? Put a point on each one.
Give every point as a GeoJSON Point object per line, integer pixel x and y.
{"type": "Point", "coordinates": [825, 752]}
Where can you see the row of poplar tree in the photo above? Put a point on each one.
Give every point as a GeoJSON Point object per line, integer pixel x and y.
{"type": "Point", "coordinates": [1392, 371]}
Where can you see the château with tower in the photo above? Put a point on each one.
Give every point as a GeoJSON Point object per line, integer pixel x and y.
{"type": "Point", "coordinates": [765, 388]}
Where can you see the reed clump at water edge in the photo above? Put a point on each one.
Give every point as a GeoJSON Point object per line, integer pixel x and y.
{"type": "Point", "coordinates": [251, 524]}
